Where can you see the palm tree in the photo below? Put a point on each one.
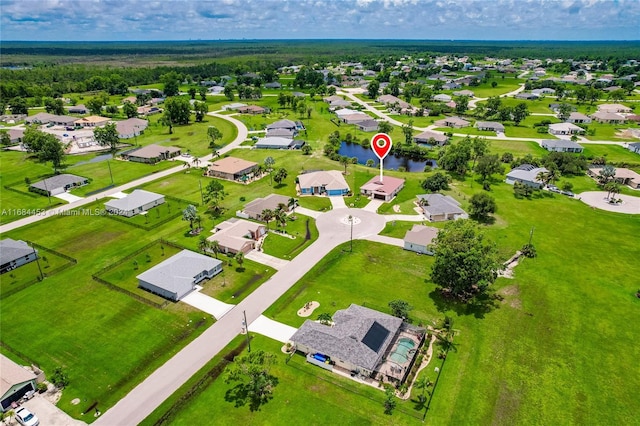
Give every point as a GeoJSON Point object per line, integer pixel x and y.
{"type": "Point", "coordinates": [203, 244]}
{"type": "Point", "coordinates": [543, 177]}
{"type": "Point", "coordinates": [281, 217]}
{"type": "Point", "coordinates": [345, 161]}
{"type": "Point", "coordinates": [267, 216]}
{"type": "Point", "coordinates": [553, 175]}
{"type": "Point", "coordinates": [424, 383]}
{"type": "Point", "coordinates": [240, 259]}
{"type": "Point", "coordinates": [214, 246]}
{"type": "Point", "coordinates": [292, 204]}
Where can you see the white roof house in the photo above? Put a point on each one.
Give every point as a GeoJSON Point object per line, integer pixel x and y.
{"type": "Point", "coordinates": [565, 129]}
{"type": "Point", "coordinates": [526, 174]}
{"type": "Point", "coordinates": [137, 202]}
{"type": "Point", "coordinates": [419, 238]}
{"type": "Point", "coordinates": [561, 145]}
{"type": "Point", "coordinates": [177, 276]}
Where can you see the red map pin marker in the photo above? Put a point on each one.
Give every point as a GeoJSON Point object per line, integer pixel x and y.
{"type": "Point", "coordinates": [381, 145]}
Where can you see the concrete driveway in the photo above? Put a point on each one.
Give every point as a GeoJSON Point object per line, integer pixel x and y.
{"type": "Point", "coordinates": [261, 257]}
{"type": "Point", "coordinates": [207, 304]}
{"type": "Point", "coordinates": [272, 329]}
{"type": "Point", "coordinates": [69, 198]}
{"type": "Point", "coordinates": [49, 414]}
{"type": "Point", "coordinates": [386, 240]}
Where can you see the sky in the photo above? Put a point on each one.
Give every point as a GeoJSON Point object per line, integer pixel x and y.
{"type": "Point", "coordinates": [119, 20]}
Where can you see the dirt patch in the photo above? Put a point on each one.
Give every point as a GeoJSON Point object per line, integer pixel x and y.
{"type": "Point", "coordinates": [252, 281]}
{"type": "Point", "coordinates": [75, 401]}
{"type": "Point", "coordinates": [511, 296]}
{"type": "Point", "coordinates": [308, 309]}
{"type": "Point", "coordinates": [396, 208]}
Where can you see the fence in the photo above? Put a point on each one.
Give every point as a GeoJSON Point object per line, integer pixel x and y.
{"type": "Point", "coordinates": [149, 227]}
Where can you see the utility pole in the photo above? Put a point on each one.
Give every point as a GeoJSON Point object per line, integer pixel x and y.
{"type": "Point", "coordinates": [351, 236]}
{"type": "Point", "coordinates": [110, 174]}
{"type": "Point", "coordinates": [531, 234]}
{"type": "Point", "coordinates": [201, 194]}
{"type": "Point", "coordinates": [37, 262]}
{"type": "Point", "coordinates": [246, 327]}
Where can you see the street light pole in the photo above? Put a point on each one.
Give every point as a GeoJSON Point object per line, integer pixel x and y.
{"type": "Point", "coordinates": [110, 173]}
{"type": "Point", "coordinates": [351, 235]}
{"type": "Point", "coordinates": [246, 327]}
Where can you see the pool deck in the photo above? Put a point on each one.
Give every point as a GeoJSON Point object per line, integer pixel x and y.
{"type": "Point", "coordinates": [395, 369]}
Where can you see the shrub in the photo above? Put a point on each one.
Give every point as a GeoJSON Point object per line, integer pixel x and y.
{"type": "Point", "coordinates": [528, 250]}
{"type": "Point", "coordinates": [59, 378]}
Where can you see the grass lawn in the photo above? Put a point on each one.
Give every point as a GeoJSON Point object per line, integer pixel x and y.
{"type": "Point", "coordinates": [283, 246]}
{"type": "Point", "coordinates": [613, 153]}
{"type": "Point", "coordinates": [608, 132]}
{"type": "Point", "coordinates": [505, 85]}
{"type": "Point", "coordinates": [233, 284]}
{"type": "Point", "coordinates": [517, 148]}
{"type": "Point", "coordinates": [323, 397]}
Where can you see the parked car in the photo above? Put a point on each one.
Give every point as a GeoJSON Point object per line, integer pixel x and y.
{"type": "Point", "coordinates": [553, 188]}
{"type": "Point", "coordinates": [26, 417]}
{"type": "Point", "coordinates": [567, 193]}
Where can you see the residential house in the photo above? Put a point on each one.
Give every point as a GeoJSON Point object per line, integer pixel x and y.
{"type": "Point", "coordinates": [52, 119]}
{"type": "Point", "coordinates": [253, 210]}
{"type": "Point", "coordinates": [561, 145]}
{"type": "Point", "coordinates": [339, 103]}
{"type": "Point", "coordinates": [393, 102]}
{"type": "Point", "coordinates": [151, 154]}
{"type": "Point", "coordinates": [526, 174]}
{"type": "Point", "coordinates": [614, 108]}
{"type": "Point", "coordinates": [454, 122]}
{"type": "Point", "coordinates": [15, 253]}
{"type": "Point", "coordinates": [384, 189]}
{"type": "Point", "coordinates": [137, 202]}
{"type": "Point", "coordinates": [623, 176]}
{"type": "Point", "coordinates": [438, 207]}
{"type": "Point", "coordinates": [237, 235]}
{"type": "Point", "coordinates": [370, 125]}
{"type": "Point", "coordinates": [252, 109]}
{"type": "Point", "coordinates": [277, 142]}
{"type": "Point", "coordinates": [565, 129]}
{"type": "Point", "coordinates": [442, 98]}
{"type": "Point", "coordinates": [233, 106]}
{"type": "Point", "coordinates": [92, 121]}
{"type": "Point", "coordinates": [527, 96]}
{"type": "Point", "coordinates": [543, 91]}
{"type": "Point", "coordinates": [578, 118]}
{"type": "Point", "coordinates": [355, 118]}
{"type": "Point", "coordinates": [232, 168]}
{"type": "Point", "coordinates": [431, 138]}
{"type": "Point", "coordinates": [634, 117]}
{"type": "Point", "coordinates": [78, 109]}
{"type": "Point", "coordinates": [634, 147]}
{"type": "Point", "coordinates": [283, 128]}
{"type": "Point", "coordinates": [359, 341]}
{"type": "Point", "coordinates": [145, 111]}
{"type": "Point", "coordinates": [178, 276]}
{"type": "Point", "coordinates": [15, 382]}
{"type": "Point", "coordinates": [273, 85]}
{"type": "Point", "coordinates": [131, 127]}
{"type": "Point", "coordinates": [608, 117]}
{"type": "Point", "coordinates": [58, 184]}
{"type": "Point", "coordinates": [465, 92]}
{"type": "Point", "coordinates": [419, 238]}
{"type": "Point", "coordinates": [491, 126]}
{"type": "Point", "coordinates": [329, 182]}
{"type": "Point", "coordinates": [15, 135]}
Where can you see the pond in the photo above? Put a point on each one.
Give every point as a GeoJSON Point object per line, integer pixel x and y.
{"type": "Point", "coordinates": [96, 159]}
{"type": "Point", "coordinates": [391, 162]}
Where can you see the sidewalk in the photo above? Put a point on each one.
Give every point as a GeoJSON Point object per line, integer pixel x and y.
{"type": "Point", "coordinates": [272, 261]}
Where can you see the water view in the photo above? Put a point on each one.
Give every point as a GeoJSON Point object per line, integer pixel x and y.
{"type": "Point", "coordinates": [391, 162]}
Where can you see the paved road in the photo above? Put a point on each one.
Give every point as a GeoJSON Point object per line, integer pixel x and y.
{"type": "Point", "coordinates": [334, 229]}
{"type": "Point", "coordinates": [242, 136]}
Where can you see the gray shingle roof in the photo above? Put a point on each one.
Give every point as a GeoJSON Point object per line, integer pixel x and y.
{"type": "Point", "coordinates": [58, 181]}
{"type": "Point", "coordinates": [360, 336]}
{"type": "Point", "coordinates": [179, 271]}
{"type": "Point", "coordinates": [439, 204]}
{"type": "Point", "coordinates": [11, 250]}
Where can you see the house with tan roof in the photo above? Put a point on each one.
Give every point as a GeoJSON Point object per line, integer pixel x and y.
{"type": "Point", "coordinates": [92, 121]}
{"type": "Point", "coordinates": [431, 138]}
{"type": "Point", "coordinates": [323, 182]}
{"type": "Point", "coordinates": [237, 235]}
{"type": "Point", "coordinates": [15, 382]}
{"type": "Point", "coordinates": [419, 238]}
{"type": "Point", "coordinates": [151, 154]}
{"type": "Point", "coordinates": [232, 168]}
{"type": "Point", "coordinates": [384, 189]}
{"type": "Point", "coordinates": [623, 176]}
{"type": "Point", "coordinates": [131, 127]}
{"type": "Point", "coordinates": [252, 109]}
{"type": "Point", "coordinates": [253, 210]}
{"type": "Point", "coordinates": [614, 108]}
{"type": "Point", "coordinates": [608, 117]}
{"type": "Point", "coordinates": [578, 118]}
{"type": "Point", "coordinates": [454, 122]}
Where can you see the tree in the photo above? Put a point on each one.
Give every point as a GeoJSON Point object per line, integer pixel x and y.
{"type": "Point", "coordinates": [389, 401]}
{"type": "Point", "coordinates": [214, 247]}
{"type": "Point", "coordinates": [203, 244]}
{"type": "Point", "coordinates": [522, 190]}
{"type": "Point", "coordinates": [94, 105]}
{"type": "Point", "coordinates": [202, 91]}
{"type": "Point", "coordinates": [171, 81]}
{"type": "Point", "coordinates": [465, 263]}
{"type": "Point", "coordinates": [479, 147]}
{"type": "Point", "coordinates": [5, 139]}
{"type": "Point", "coordinates": [306, 149]}
{"type": "Point", "coordinates": [292, 204]}
{"type": "Point", "coordinates": [228, 92]}
{"type": "Point", "coordinates": [493, 106]}
{"type": "Point", "coordinates": [256, 382]}
{"type": "Point", "coordinates": [400, 308]}
{"type": "Point", "coordinates": [108, 136]}
{"type": "Point", "coordinates": [189, 214]}
{"type": "Point", "coordinates": [325, 318]}
{"type": "Point", "coordinates": [213, 134]}
{"type": "Point", "coordinates": [201, 109]}
{"type": "Point", "coordinates": [564, 110]}
{"type": "Point", "coordinates": [385, 127]}
{"type": "Point", "coordinates": [54, 106]}
{"type": "Point", "coordinates": [269, 162]}
{"type": "Point", "coordinates": [606, 174]}
{"type": "Point", "coordinates": [454, 157]}
{"type": "Point", "coordinates": [438, 181]}
{"type": "Point", "coordinates": [130, 110]}
{"type": "Point", "coordinates": [192, 92]}
{"type": "Point", "coordinates": [177, 110]}
{"type": "Point", "coordinates": [373, 88]}
{"type": "Point", "coordinates": [345, 161]}
{"type": "Point", "coordinates": [462, 104]}
{"type": "Point", "coordinates": [53, 151]}
{"type": "Point", "coordinates": [214, 191]}
{"type": "Point", "coordinates": [488, 165]}
{"type": "Point", "coordinates": [481, 205]}
{"type": "Point", "coordinates": [18, 106]}
{"type": "Point", "coordinates": [407, 131]}
{"type": "Point", "coordinates": [567, 186]}
{"type": "Point", "coordinates": [612, 188]}
{"type": "Point", "coordinates": [239, 257]}
{"type": "Point", "coordinates": [520, 112]}
{"type": "Point", "coordinates": [281, 217]}
{"type": "Point", "coordinates": [280, 175]}
{"type": "Point", "coordinates": [267, 216]}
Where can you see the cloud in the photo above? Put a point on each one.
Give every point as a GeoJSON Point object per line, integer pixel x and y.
{"type": "Point", "coordinates": [236, 19]}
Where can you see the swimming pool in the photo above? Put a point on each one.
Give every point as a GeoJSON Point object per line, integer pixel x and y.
{"type": "Point", "coordinates": [402, 349]}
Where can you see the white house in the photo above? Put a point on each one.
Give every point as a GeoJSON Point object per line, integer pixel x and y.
{"type": "Point", "coordinates": [561, 145]}
{"type": "Point", "coordinates": [135, 203]}
{"type": "Point", "coordinates": [419, 238]}
{"type": "Point", "coordinates": [526, 174]}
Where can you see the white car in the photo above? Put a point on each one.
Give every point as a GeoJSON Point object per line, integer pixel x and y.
{"type": "Point", "coordinates": [26, 417]}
